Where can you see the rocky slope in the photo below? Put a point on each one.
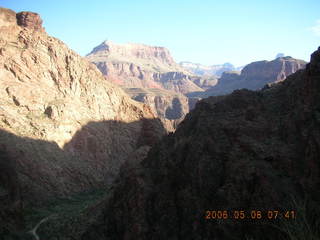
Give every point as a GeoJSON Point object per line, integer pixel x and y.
{"type": "Point", "coordinates": [215, 70]}
{"type": "Point", "coordinates": [63, 128]}
{"type": "Point", "coordinates": [256, 75]}
{"type": "Point", "coordinates": [249, 151]}
{"type": "Point", "coordinates": [141, 66]}
{"type": "Point", "coordinates": [170, 107]}
{"type": "Point", "coordinates": [205, 82]}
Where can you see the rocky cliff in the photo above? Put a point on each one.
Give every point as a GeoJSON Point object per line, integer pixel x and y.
{"type": "Point", "coordinates": [141, 66]}
{"type": "Point", "coordinates": [205, 82]}
{"type": "Point", "coordinates": [63, 128]}
{"type": "Point", "coordinates": [256, 75]}
{"type": "Point", "coordinates": [170, 107]}
{"type": "Point", "coordinates": [249, 151]}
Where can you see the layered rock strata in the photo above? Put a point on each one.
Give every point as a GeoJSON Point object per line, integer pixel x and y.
{"type": "Point", "coordinates": [255, 75]}
{"type": "Point", "coordinates": [141, 66]}
{"type": "Point", "coordinates": [63, 128]}
{"type": "Point", "coordinates": [250, 151]}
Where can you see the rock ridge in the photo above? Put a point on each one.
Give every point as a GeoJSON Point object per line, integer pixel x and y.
{"type": "Point", "coordinates": [255, 76]}
{"type": "Point", "coordinates": [25, 19]}
{"type": "Point", "coordinates": [248, 150]}
{"type": "Point", "coordinates": [65, 129]}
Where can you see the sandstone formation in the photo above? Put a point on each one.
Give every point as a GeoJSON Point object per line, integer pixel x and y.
{"type": "Point", "coordinates": [248, 151]}
{"type": "Point", "coordinates": [63, 128]}
{"type": "Point", "coordinates": [255, 76]}
{"type": "Point", "coordinates": [30, 20]}
{"type": "Point", "coordinates": [141, 66]}
{"type": "Point", "coordinates": [203, 70]}
{"type": "Point", "coordinates": [170, 107]}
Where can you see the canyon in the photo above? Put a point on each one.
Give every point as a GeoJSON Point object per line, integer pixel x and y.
{"type": "Point", "coordinates": [139, 66]}
{"type": "Point", "coordinates": [250, 150]}
{"type": "Point", "coordinates": [152, 70]}
{"type": "Point", "coordinates": [127, 144]}
{"type": "Point", "coordinates": [64, 128]}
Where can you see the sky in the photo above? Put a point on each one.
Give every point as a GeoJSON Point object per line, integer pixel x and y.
{"type": "Point", "coordinates": [202, 31]}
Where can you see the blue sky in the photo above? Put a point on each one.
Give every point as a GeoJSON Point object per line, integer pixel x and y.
{"type": "Point", "coordinates": [207, 32]}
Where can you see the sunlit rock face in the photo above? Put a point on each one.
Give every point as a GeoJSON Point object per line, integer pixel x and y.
{"type": "Point", "coordinates": [256, 75]}
{"type": "Point", "coordinates": [150, 75]}
{"type": "Point", "coordinates": [141, 66]}
{"type": "Point", "coordinates": [65, 128]}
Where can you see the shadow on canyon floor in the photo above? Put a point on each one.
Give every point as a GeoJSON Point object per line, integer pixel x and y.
{"type": "Point", "coordinates": [39, 174]}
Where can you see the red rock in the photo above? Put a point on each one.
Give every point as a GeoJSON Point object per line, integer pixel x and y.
{"type": "Point", "coordinates": [65, 128]}
{"type": "Point", "coordinates": [141, 66]}
{"type": "Point", "coordinates": [246, 151]}
{"type": "Point", "coordinates": [30, 20]}
{"type": "Point", "coordinates": [256, 75]}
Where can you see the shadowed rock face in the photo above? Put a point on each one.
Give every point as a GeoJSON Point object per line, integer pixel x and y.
{"type": "Point", "coordinates": [64, 126]}
{"type": "Point", "coordinates": [248, 150]}
{"type": "Point", "coordinates": [10, 192]}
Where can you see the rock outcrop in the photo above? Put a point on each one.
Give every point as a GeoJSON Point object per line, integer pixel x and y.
{"type": "Point", "coordinates": [255, 76]}
{"type": "Point", "coordinates": [141, 66]}
{"type": "Point", "coordinates": [205, 82]}
{"type": "Point", "coordinates": [30, 20]}
{"type": "Point", "coordinates": [229, 81]}
{"type": "Point", "coordinates": [65, 128]}
{"type": "Point", "coordinates": [272, 71]}
{"type": "Point", "coordinates": [170, 107]}
{"type": "Point", "coordinates": [249, 151]}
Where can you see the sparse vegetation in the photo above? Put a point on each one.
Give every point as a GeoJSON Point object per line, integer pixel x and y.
{"type": "Point", "coordinates": [66, 214]}
{"type": "Point", "coordinates": [306, 225]}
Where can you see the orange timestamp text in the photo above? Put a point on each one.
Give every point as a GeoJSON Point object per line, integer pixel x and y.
{"type": "Point", "coordinates": [251, 214]}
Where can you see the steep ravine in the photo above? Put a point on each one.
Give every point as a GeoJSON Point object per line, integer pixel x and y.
{"type": "Point", "coordinates": [64, 129]}
{"type": "Point", "coordinates": [248, 151]}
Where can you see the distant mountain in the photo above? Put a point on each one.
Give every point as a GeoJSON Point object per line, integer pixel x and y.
{"type": "Point", "coordinates": [150, 75]}
{"type": "Point", "coordinates": [254, 76]}
{"type": "Point", "coordinates": [141, 66]}
{"type": "Point", "coordinates": [213, 70]}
